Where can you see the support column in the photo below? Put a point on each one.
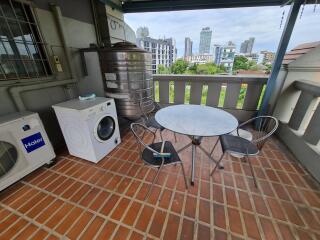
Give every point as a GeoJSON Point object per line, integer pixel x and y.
{"type": "Point", "coordinates": [266, 108]}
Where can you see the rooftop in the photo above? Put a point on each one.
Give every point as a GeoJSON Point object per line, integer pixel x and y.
{"type": "Point", "coordinates": [78, 199]}
{"type": "Point", "coordinates": [299, 51]}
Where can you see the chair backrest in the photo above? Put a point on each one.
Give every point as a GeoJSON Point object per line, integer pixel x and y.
{"type": "Point", "coordinates": [139, 131]}
{"type": "Point", "coordinates": [265, 126]}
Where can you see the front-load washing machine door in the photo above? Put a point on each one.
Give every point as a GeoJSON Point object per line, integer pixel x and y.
{"type": "Point", "coordinates": [8, 157]}
{"type": "Point", "coordinates": [105, 128]}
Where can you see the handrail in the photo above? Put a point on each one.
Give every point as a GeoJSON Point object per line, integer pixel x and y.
{"type": "Point", "coordinates": [212, 78]}
{"type": "Point", "coordinates": [238, 94]}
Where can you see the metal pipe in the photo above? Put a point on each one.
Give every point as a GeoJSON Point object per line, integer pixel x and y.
{"type": "Point", "coordinates": [56, 11]}
{"type": "Point", "coordinates": [95, 21]}
{"type": "Point", "coordinates": [17, 90]}
{"type": "Point", "coordinates": [284, 41]}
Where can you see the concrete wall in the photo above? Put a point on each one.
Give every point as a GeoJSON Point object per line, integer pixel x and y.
{"type": "Point", "coordinates": [297, 121]}
{"type": "Point", "coordinates": [80, 32]}
{"type": "Point", "coordinates": [307, 68]}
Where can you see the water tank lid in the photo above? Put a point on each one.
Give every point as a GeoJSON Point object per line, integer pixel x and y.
{"type": "Point", "coordinates": [127, 47]}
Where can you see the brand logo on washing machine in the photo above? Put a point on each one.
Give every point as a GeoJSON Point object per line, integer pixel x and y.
{"type": "Point", "coordinates": [33, 142]}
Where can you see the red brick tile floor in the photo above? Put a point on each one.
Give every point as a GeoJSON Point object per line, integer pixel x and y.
{"type": "Point", "coordinates": [76, 199]}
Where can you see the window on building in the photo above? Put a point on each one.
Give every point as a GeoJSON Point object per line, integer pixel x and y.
{"type": "Point", "coordinates": [22, 52]}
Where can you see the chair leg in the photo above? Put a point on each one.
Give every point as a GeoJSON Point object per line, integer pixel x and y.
{"type": "Point", "coordinates": [153, 182]}
{"type": "Point", "coordinates": [161, 135]}
{"type": "Point", "coordinates": [214, 146]}
{"type": "Point", "coordinates": [184, 175]}
{"type": "Point", "coordinates": [252, 172]}
{"type": "Point", "coordinates": [217, 164]}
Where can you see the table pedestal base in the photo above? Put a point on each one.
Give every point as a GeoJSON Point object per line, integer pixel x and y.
{"type": "Point", "coordinates": [195, 142]}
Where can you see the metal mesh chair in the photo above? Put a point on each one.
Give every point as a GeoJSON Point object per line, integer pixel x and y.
{"type": "Point", "coordinates": [265, 127]}
{"type": "Point", "coordinates": [155, 155]}
{"type": "Point", "coordinates": [149, 119]}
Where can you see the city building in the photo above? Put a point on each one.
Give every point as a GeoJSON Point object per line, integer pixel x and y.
{"type": "Point", "coordinates": [200, 58]}
{"type": "Point", "coordinates": [224, 55]}
{"type": "Point", "coordinates": [266, 57]}
{"type": "Point", "coordinates": [142, 32]}
{"type": "Point", "coordinates": [187, 47]}
{"type": "Point", "coordinates": [163, 51]}
{"type": "Point", "coordinates": [205, 40]}
{"type": "Point", "coordinates": [256, 57]}
{"type": "Point", "coordinates": [217, 53]}
{"type": "Point", "coordinates": [247, 45]}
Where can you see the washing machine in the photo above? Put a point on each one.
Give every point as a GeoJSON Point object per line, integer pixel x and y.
{"type": "Point", "coordinates": [24, 146]}
{"type": "Point", "coordinates": [90, 127]}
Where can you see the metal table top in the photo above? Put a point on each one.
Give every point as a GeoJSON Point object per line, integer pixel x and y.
{"type": "Point", "coordinates": [196, 120]}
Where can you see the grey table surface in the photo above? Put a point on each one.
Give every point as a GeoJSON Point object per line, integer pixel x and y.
{"type": "Point", "coordinates": [196, 120]}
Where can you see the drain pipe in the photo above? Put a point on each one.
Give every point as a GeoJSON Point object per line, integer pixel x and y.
{"type": "Point", "coordinates": [56, 11]}
{"type": "Point", "coordinates": [16, 91]}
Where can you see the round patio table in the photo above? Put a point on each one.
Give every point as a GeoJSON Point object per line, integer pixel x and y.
{"type": "Point", "coordinates": [196, 121]}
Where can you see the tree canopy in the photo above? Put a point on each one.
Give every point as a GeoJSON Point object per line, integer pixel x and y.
{"type": "Point", "coordinates": [183, 67]}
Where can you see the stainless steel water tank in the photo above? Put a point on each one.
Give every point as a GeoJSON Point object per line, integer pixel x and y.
{"type": "Point", "coordinates": [127, 71]}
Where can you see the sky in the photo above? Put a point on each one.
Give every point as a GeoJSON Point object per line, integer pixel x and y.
{"type": "Point", "coordinates": [236, 25]}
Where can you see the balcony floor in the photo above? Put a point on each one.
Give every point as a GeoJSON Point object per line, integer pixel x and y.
{"type": "Point", "coordinates": [78, 199]}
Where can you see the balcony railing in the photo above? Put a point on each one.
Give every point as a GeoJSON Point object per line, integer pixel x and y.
{"type": "Point", "coordinates": [302, 133]}
{"type": "Point", "coordinates": [239, 95]}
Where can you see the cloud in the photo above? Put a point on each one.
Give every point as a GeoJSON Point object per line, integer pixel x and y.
{"type": "Point", "coordinates": [234, 24]}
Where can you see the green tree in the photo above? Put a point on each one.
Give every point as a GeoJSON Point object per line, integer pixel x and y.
{"type": "Point", "coordinates": [163, 70]}
{"type": "Point", "coordinates": [240, 62]}
{"type": "Point", "coordinates": [179, 67]}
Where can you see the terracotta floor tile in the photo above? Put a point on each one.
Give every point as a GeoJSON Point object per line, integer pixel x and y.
{"type": "Point", "coordinates": [260, 205]}
{"type": "Point", "coordinates": [136, 236]}
{"type": "Point", "coordinates": [144, 218]}
{"type": "Point", "coordinates": [78, 227]}
{"type": "Point", "coordinates": [219, 235]}
{"type": "Point", "coordinates": [276, 209]}
{"type": "Point", "coordinates": [89, 197]}
{"type": "Point", "coordinates": [187, 229]}
{"type": "Point", "coordinates": [235, 221]}
{"type": "Point", "coordinates": [251, 226]}
{"type": "Point", "coordinates": [204, 211]}
{"type": "Point", "coordinates": [39, 206]}
{"type": "Point", "coordinates": [132, 213]}
{"type": "Point", "coordinates": [285, 231]}
{"type": "Point", "coordinates": [231, 197]}
{"type": "Point", "coordinates": [122, 233]}
{"type": "Point", "coordinates": [49, 211]}
{"type": "Point", "coordinates": [120, 208]}
{"type": "Point", "coordinates": [107, 231]}
{"type": "Point", "coordinates": [39, 235]}
{"type": "Point", "coordinates": [93, 228]}
{"type": "Point", "coordinates": [287, 195]}
{"type": "Point", "coordinates": [177, 203]}
{"type": "Point", "coordinates": [292, 213]}
{"type": "Point", "coordinates": [219, 215]}
{"type": "Point", "coordinates": [63, 227]}
{"type": "Point", "coordinates": [217, 193]}
{"type": "Point", "coordinates": [56, 218]}
{"type": "Point", "coordinates": [172, 227]}
{"type": "Point", "coordinates": [14, 229]}
{"type": "Point", "coordinates": [268, 229]}
{"type": "Point", "coordinates": [157, 223]}
{"type": "Point", "coordinates": [190, 207]}
{"type": "Point", "coordinates": [27, 232]}
{"type": "Point", "coordinates": [203, 232]}
{"type": "Point", "coordinates": [109, 205]}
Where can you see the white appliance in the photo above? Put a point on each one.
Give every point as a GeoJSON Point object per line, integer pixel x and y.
{"type": "Point", "coordinates": [90, 127]}
{"type": "Point", "coordinates": [24, 146]}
